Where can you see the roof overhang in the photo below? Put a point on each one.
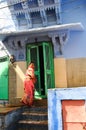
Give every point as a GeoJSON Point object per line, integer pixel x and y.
{"type": "Point", "coordinates": [70, 27]}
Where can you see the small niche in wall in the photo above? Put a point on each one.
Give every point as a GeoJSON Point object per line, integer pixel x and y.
{"type": "Point", "coordinates": [19, 44]}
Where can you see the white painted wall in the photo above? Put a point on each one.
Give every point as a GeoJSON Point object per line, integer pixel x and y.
{"type": "Point", "coordinates": [6, 22]}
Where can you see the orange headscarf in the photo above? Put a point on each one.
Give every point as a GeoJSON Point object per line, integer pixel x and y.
{"type": "Point", "coordinates": [30, 70]}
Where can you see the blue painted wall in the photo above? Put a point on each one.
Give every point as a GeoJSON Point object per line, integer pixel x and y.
{"type": "Point", "coordinates": [75, 11]}
{"type": "Point", "coordinates": [72, 11]}
{"type": "Point", "coordinates": [6, 21]}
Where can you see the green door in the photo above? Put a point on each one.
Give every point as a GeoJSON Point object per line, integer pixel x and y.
{"type": "Point", "coordinates": [42, 55]}
{"type": "Point", "coordinates": [4, 78]}
{"type": "Point", "coordinates": [33, 55]}
{"type": "Point", "coordinates": [48, 66]}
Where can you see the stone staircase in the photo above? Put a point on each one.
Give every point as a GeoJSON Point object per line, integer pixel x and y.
{"type": "Point", "coordinates": [34, 118]}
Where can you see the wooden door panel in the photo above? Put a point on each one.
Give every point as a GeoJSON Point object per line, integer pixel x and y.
{"type": "Point", "coordinates": [74, 126]}
{"type": "Point", "coordinates": [74, 114]}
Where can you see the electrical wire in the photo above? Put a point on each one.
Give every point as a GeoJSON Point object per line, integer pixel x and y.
{"type": "Point", "coordinates": [70, 1]}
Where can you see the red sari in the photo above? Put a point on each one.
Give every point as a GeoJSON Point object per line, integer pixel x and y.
{"type": "Point", "coordinates": [28, 92]}
{"type": "Point", "coordinates": [29, 87]}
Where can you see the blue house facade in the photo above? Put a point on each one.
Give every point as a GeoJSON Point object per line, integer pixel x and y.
{"type": "Point", "coordinates": [51, 33]}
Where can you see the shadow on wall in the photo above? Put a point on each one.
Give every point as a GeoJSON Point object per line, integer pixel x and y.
{"type": "Point", "coordinates": [16, 78]}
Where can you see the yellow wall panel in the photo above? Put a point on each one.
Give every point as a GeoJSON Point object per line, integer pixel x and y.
{"type": "Point", "coordinates": [76, 72]}
{"type": "Point", "coordinates": [60, 72]}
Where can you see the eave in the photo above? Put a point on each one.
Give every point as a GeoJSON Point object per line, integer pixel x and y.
{"type": "Point", "coordinates": [70, 27]}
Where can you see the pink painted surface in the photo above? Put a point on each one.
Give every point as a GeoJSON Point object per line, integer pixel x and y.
{"type": "Point", "coordinates": [74, 114]}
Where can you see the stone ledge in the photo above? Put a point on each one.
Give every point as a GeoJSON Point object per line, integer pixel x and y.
{"type": "Point", "coordinates": [8, 116]}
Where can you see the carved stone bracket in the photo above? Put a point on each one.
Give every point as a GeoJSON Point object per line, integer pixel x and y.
{"type": "Point", "coordinates": [59, 39]}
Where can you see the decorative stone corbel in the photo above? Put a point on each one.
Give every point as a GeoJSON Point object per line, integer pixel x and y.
{"type": "Point", "coordinates": [59, 39]}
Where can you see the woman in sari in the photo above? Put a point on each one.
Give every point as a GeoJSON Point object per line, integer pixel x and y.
{"type": "Point", "coordinates": [29, 85]}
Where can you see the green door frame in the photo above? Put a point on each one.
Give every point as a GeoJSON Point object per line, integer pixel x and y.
{"type": "Point", "coordinates": [42, 55]}
{"type": "Point", "coordinates": [33, 55]}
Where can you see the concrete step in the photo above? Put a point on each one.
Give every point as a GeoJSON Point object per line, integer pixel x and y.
{"type": "Point", "coordinates": [37, 102]}
{"type": "Point", "coordinates": [32, 125]}
{"type": "Point", "coordinates": [34, 118]}
{"type": "Point", "coordinates": [40, 102]}
{"type": "Point", "coordinates": [35, 109]}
